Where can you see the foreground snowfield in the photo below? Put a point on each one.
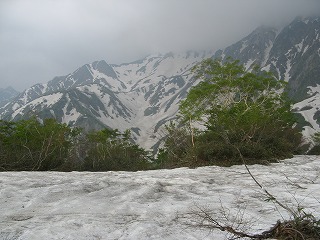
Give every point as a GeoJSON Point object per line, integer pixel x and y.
{"type": "Point", "coordinates": [151, 204]}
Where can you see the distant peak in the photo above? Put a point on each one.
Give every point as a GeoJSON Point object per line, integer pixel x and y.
{"type": "Point", "coordinates": [103, 67]}
{"type": "Point", "coordinates": [99, 62]}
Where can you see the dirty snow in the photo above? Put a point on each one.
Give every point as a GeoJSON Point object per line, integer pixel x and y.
{"type": "Point", "coordinates": [150, 204]}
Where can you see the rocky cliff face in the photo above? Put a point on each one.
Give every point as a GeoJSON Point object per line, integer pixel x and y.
{"type": "Point", "coordinates": [144, 95]}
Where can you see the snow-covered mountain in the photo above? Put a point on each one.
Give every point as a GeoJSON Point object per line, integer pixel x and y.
{"type": "Point", "coordinates": [141, 96]}
{"type": "Point", "coordinates": [144, 95]}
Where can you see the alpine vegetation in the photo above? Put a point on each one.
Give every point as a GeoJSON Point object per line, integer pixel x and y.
{"type": "Point", "coordinates": [243, 115]}
{"type": "Point", "coordinates": [144, 95]}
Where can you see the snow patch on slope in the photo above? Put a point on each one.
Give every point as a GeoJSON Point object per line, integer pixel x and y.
{"type": "Point", "coordinates": [299, 45]}
{"type": "Point", "coordinates": [244, 45]}
{"type": "Point", "coordinates": [248, 64]}
{"type": "Point", "coordinates": [267, 53]}
{"type": "Point", "coordinates": [287, 72]}
{"type": "Point", "coordinates": [69, 116]}
{"type": "Point", "coordinates": [308, 108]}
{"type": "Point", "coordinates": [46, 102]}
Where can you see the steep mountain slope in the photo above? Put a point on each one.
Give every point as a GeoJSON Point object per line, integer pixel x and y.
{"type": "Point", "coordinates": [293, 54]}
{"type": "Point", "coordinates": [144, 95]}
{"type": "Point", "coordinates": [253, 49]}
{"type": "Point", "coordinates": [141, 96]}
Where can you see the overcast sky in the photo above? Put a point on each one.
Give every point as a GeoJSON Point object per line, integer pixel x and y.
{"type": "Point", "coordinates": [41, 39]}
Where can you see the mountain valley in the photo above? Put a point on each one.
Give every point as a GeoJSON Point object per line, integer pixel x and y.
{"type": "Point", "coordinates": [144, 95]}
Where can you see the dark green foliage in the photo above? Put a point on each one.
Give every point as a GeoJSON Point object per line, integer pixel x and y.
{"type": "Point", "coordinates": [177, 150]}
{"type": "Point", "coordinates": [245, 114]}
{"type": "Point", "coordinates": [30, 145]}
{"type": "Point", "coordinates": [109, 150]}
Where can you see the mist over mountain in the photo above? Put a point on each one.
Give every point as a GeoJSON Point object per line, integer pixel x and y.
{"type": "Point", "coordinates": [6, 94]}
{"type": "Point", "coordinates": [144, 95]}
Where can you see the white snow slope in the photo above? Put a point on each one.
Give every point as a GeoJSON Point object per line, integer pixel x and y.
{"type": "Point", "coordinates": [151, 204]}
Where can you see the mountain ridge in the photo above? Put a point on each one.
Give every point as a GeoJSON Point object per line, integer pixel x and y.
{"type": "Point", "coordinates": [145, 94]}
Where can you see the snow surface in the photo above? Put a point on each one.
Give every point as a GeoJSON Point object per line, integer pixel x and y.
{"type": "Point", "coordinates": [151, 204]}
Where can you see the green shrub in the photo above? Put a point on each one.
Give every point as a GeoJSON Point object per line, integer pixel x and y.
{"type": "Point", "coordinates": [31, 145]}
{"type": "Point", "coordinates": [109, 150]}
{"type": "Point", "coordinates": [246, 114]}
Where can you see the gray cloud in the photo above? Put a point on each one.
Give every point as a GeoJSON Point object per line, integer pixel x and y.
{"type": "Point", "coordinates": [40, 39]}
